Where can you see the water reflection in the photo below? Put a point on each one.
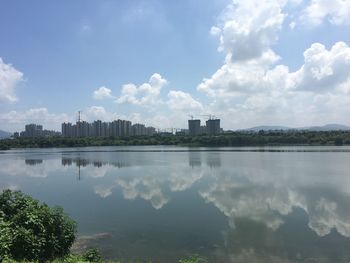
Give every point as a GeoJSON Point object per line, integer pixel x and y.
{"type": "Point", "coordinates": [278, 207]}
{"type": "Point", "coordinates": [33, 161]}
{"type": "Point", "coordinates": [78, 161]}
{"type": "Point", "coordinates": [214, 159]}
{"type": "Point", "coordinates": [194, 159]}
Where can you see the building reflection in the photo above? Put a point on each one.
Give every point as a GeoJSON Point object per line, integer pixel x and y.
{"type": "Point", "coordinates": [194, 159]}
{"type": "Point", "coordinates": [33, 161]}
{"type": "Point", "coordinates": [214, 159]}
{"type": "Point", "coordinates": [78, 161]}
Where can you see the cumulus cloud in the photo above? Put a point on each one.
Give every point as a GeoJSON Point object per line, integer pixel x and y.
{"type": "Point", "coordinates": [179, 100]}
{"type": "Point", "coordinates": [249, 28]}
{"type": "Point", "coordinates": [239, 78]}
{"type": "Point", "coordinates": [146, 94]}
{"type": "Point", "coordinates": [17, 119]}
{"type": "Point", "coordinates": [102, 93]}
{"type": "Point", "coordinates": [9, 79]}
{"type": "Point", "coordinates": [251, 86]}
{"type": "Point", "coordinates": [323, 69]}
{"type": "Point", "coordinates": [334, 11]}
{"type": "Point", "coordinates": [100, 113]}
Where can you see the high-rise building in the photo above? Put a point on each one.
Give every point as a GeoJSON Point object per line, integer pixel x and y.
{"type": "Point", "coordinates": [194, 127]}
{"type": "Point", "coordinates": [105, 129]}
{"type": "Point", "coordinates": [67, 130]}
{"type": "Point", "coordinates": [116, 128]}
{"type": "Point", "coordinates": [139, 129]}
{"type": "Point", "coordinates": [127, 128]}
{"type": "Point", "coordinates": [96, 129]}
{"type": "Point", "coordinates": [213, 126]}
{"type": "Point", "coordinates": [33, 130]}
{"type": "Point", "coordinates": [83, 128]}
{"type": "Point", "coordinates": [150, 131]}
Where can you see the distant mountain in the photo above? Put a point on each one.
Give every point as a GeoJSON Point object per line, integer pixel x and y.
{"type": "Point", "coordinates": [327, 127]}
{"type": "Point", "coordinates": [4, 134]}
{"type": "Point", "coordinates": [268, 128]}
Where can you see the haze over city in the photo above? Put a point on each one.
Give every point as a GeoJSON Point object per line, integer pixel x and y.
{"type": "Point", "coordinates": [249, 63]}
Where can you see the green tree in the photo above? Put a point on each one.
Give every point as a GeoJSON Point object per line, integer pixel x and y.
{"type": "Point", "coordinates": [30, 230]}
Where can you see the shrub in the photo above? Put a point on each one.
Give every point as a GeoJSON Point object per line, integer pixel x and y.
{"type": "Point", "coordinates": [30, 230]}
{"type": "Point", "coordinates": [193, 259]}
{"type": "Point", "coordinates": [92, 255]}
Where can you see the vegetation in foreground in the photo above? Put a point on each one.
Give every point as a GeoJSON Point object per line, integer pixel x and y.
{"type": "Point", "coordinates": [31, 231]}
{"type": "Point", "coordinates": [231, 139]}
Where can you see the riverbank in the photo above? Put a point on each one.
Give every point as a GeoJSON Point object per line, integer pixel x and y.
{"type": "Point", "coordinates": [231, 139]}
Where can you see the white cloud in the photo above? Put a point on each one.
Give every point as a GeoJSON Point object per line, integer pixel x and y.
{"type": "Point", "coordinates": [214, 30]}
{"type": "Point", "coordinates": [9, 79]}
{"type": "Point", "coordinates": [335, 11]}
{"type": "Point", "coordinates": [15, 120]}
{"type": "Point", "coordinates": [100, 113]}
{"type": "Point", "coordinates": [233, 79]}
{"type": "Point", "coordinates": [253, 89]}
{"type": "Point", "coordinates": [102, 93]}
{"type": "Point", "coordinates": [249, 28]}
{"type": "Point", "coordinates": [179, 100]}
{"type": "Point", "coordinates": [292, 24]}
{"type": "Point", "coordinates": [146, 94]}
{"type": "Point", "coordinates": [257, 94]}
{"type": "Point", "coordinates": [323, 69]}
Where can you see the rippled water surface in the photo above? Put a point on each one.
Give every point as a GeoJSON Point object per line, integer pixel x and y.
{"type": "Point", "coordinates": [275, 204]}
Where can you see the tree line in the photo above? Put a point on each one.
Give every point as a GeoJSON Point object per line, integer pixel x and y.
{"type": "Point", "coordinates": [261, 138]}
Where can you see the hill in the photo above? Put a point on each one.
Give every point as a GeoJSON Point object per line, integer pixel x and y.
{"type": "Point", "coordinates": [327, 127]}
{"type": "Point", "coordinates": [4, 134]}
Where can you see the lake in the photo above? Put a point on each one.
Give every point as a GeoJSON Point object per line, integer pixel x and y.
{"type": "Point", "coordinates": [249, 204]}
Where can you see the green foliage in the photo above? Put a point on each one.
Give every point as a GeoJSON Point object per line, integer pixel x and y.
{"type": "Point", "coordinates": [92, 255]}
{"type": "Point", "coordinates": [231, 139]}
{"type": "Point", "coordinates": [30, 230]}
{"type": "Point", "coordinates": [193, 259]}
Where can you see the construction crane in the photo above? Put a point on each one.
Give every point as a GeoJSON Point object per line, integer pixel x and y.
{"type": "Point", "coordinates": [210, 116]}
{"type": "Point", "coordinates": [191, 116]}
{"type": "Point", "coordinates": [79, 116]}
{"type": "Point", "coordinates": [172, 130]}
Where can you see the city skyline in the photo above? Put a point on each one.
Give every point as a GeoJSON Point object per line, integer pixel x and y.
{"type": "Point", "coordinates": [118, 128]}
{"type": "Point", "coordinates": [251, 63]}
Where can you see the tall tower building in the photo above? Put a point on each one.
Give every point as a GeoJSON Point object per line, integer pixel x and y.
{"type": "Point", "coordinates": [213, 126]}
{"type": "Point", "coordinates": [194, 127]}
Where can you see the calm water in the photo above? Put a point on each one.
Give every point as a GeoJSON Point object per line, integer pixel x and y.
{"type": "Point", "coordinates": [277, 204]}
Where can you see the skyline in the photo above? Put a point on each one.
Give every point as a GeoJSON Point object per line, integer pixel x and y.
{"type": "Point", "coordinates": [250, 63]}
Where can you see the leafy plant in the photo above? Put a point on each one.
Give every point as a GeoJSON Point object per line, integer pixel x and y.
{"type": "Point", "coordinates": [30, 230]}
{"type": "Point", "coordinates": [92, 255]}
{"type": "Point", "coordinates": [193, 259]}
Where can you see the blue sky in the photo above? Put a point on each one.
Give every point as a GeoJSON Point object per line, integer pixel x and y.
{"type": "Point", "coordinates": [273, 62]}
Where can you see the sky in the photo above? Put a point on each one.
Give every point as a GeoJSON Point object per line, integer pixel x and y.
{"type": "Point", "coordinates": [247, 62]}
